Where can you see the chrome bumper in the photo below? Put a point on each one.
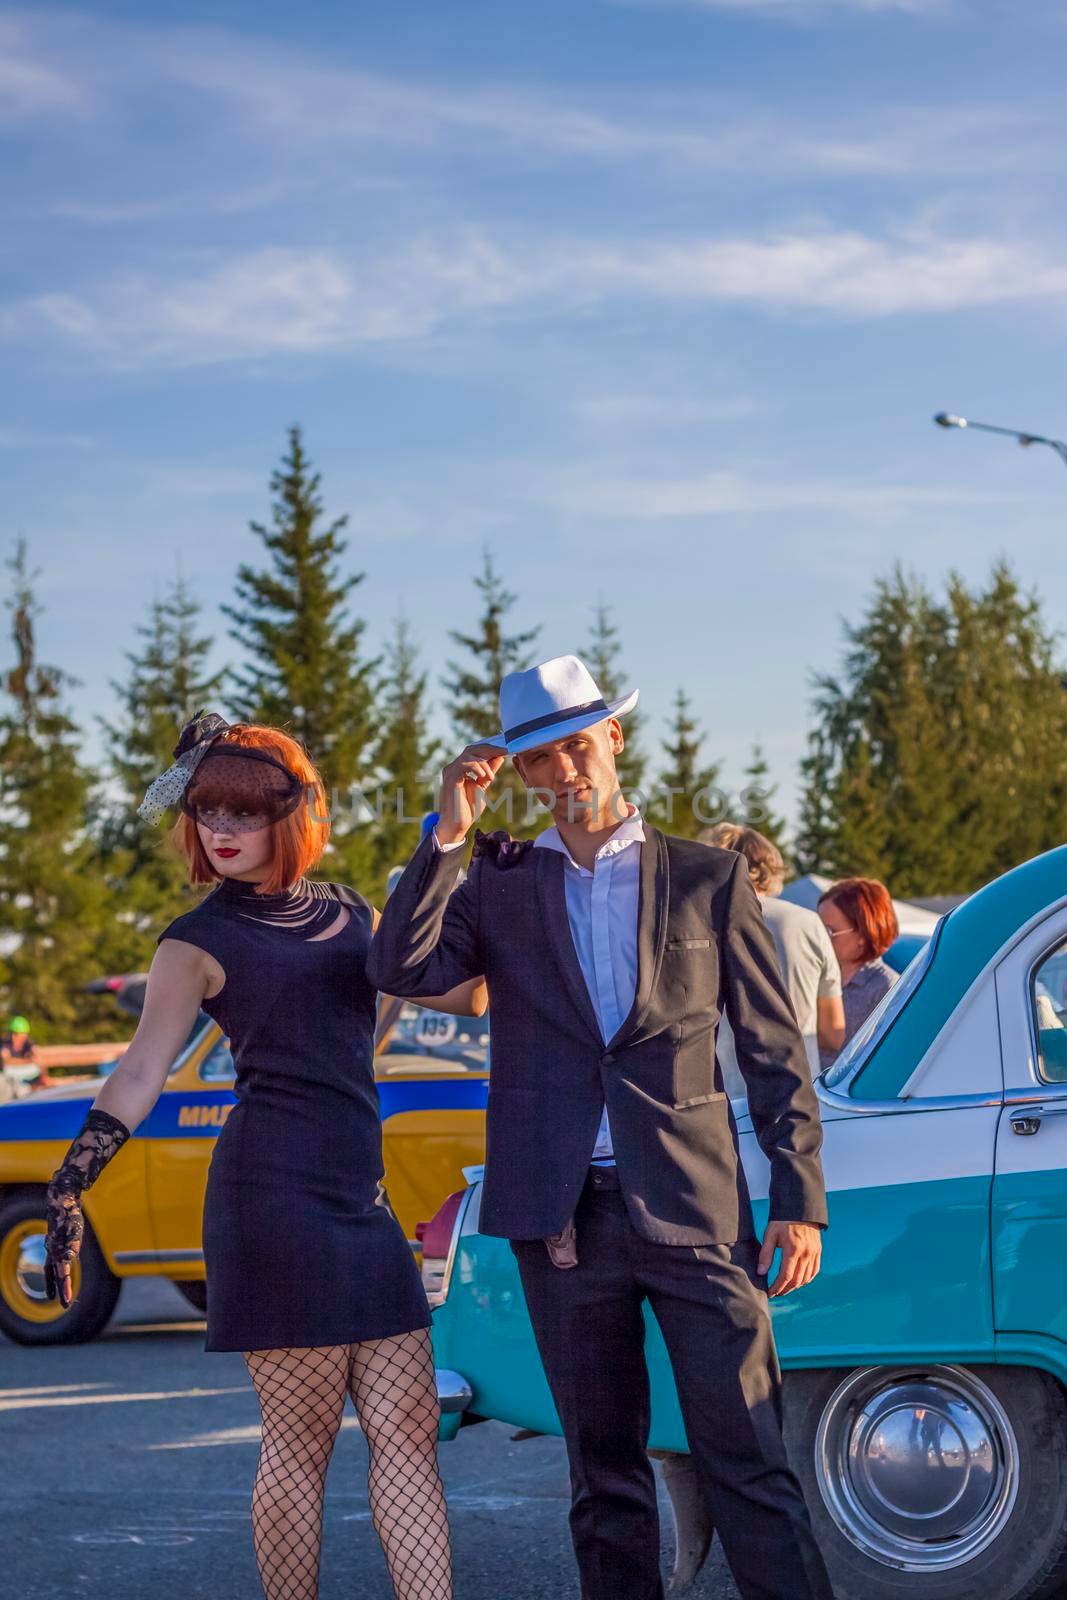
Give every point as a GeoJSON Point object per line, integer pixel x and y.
{"type": "Point", "coordinates": [454, 1393]}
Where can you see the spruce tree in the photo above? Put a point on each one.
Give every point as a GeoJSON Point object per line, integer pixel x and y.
{"type": "Point", "coordinates": [167, 682]}
{"type": "Point", "coordinates": [1007, 719]}
{"type": "Point", "coordinates": [940, 745]}
{"type": "Point", "coordinates": [602, 656]}
{"type": "Point", "coordinates": [813, 845]}
{"type": "Point", "coordinates": [758, 794]}
{"type": "Point", "coordinates": [863, 838]}
{"type": "Point", "coordinates": [474, 689]}
{"type": "Point", "coordinates": [405, 756]}
{"type": "Point", "coordinates": [53, 906]}
{"type": "Point", "coordinates": [682, 802]}
{"type": "Point", "coordinates": [305, 673]}
{"type": "Point", "coordinates": [474, 692]}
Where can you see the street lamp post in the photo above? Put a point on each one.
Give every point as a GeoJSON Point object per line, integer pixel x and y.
{"type": "Point", "coordinates": [945, 419]}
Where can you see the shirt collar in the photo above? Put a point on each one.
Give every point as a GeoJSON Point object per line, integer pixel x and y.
{"type": "Point", "coordinates": [632, 831]}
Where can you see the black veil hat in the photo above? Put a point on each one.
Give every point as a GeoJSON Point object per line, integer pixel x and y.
{"type": "Point", "coordinates": [230, 787]}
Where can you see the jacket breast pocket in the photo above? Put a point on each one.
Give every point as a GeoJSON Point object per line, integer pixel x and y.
{"type": "Point", "coordinates": [690, 966]}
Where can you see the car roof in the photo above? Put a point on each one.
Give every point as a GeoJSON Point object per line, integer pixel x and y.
{"type": "Point", "coordinates": [964, 944]}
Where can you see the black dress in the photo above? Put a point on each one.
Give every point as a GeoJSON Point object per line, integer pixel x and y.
{"type": "Point", "coordinates": [300, 1246]}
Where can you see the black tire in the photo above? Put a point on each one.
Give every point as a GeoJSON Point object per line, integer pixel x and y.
{"type": "Point", "coordinates": [1026, 1558]}
{"type": "Point", "coordinates": [97, 1295]}
{"type": "Point", "coordinates": [195, 1291]}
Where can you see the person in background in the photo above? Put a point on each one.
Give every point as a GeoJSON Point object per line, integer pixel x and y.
{"type": "Point", "coordinates": [18, 1059]}
{"type": "Point", "coordinates": [860, 919]}
{"type": "Point", "coordinates": [805, 951]}
{"type": "Point", "coordinates": [16, 1046]}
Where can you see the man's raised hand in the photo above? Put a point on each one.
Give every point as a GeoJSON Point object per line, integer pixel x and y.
{"type": "Point", "coordinates": [462, 781]}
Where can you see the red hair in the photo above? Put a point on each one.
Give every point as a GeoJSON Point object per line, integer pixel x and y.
{"type": "Point", "coordinates": [868, 905]}
{"type": "Point", "coordinates": [299, 839]}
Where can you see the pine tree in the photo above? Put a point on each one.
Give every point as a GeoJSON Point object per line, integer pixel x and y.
{"type": "Point", "coordinates": [757, 795]}
{"type": "Point", "coordinates": [813, 846]}
{"type": "Point", "coordinates": [474, 705]}
{"type": "Point", "coordinates": [306, 674]}
{"type": "Point", "coordinates": [168, 681]}
{"type": "Point", "coordinates": [53, 907]}
{"type": "Point", "coordinates": [863, 839]}
{"type": "Point", "coordinates": [938, 753]}
{"type": "Point", "coordinates": [601, 655]}
{"type": "Point", "coordinates": [682, 800]}
{"type": "Point", "coordinates": [474, 691]}
{"type": "Point", "coordinates": [1008, 718]}
{"type": "Point", "coordinates": [405, 756]}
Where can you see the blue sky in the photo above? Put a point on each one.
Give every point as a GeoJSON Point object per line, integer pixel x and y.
{"type": "Point", "coordinates": [655, 298]}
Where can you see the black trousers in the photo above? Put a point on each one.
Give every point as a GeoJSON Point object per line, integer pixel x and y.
{"type": "Point", "coordinates": [713, 1311]}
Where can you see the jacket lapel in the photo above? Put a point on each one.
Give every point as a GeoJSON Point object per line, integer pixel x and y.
{"type": "Point", "coordinates": [552, 898]}
{"type": "Point", "coordinates": [654, 884]}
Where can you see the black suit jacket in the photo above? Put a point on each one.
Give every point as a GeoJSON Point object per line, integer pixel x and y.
{"type": "Point", "coordinates": [702, 946]}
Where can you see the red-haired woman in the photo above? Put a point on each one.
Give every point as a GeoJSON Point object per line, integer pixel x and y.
{"type": "Point", "coordinates": [862, 924]}
{"type": "Point", "coordinates": [308, 1272]}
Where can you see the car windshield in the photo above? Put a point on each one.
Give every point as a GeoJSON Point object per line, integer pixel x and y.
{"type": "Point", "coordinates": [420, 1037]}
{"type": "Point", "coordinates": [882, 1018]}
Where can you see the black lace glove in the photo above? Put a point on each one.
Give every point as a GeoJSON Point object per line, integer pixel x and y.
{"type": "Point", "coordinates": [101, 1137]}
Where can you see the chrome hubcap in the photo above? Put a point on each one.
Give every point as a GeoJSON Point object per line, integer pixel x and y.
{"type": "Point", "coordinates": [30, 1268]}
{"type": "Point", "coordinates": [918, 1467]}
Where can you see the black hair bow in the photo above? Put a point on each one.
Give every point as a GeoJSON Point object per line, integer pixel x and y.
{"type": "Point", "coordinates": [194, 741]}
{"type": "Point", "coordinates": [203, 725]}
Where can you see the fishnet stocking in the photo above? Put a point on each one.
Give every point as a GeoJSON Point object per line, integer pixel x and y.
{"type": "Point", "coordinates": [301, 1397]}
{"type": "Point", "coordinates": [392, 1384]}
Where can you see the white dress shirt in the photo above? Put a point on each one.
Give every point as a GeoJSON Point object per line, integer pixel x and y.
{"type": "Point", "coordinates": [602, 912]}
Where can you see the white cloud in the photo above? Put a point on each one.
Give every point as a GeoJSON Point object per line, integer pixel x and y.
{"type": "Point", "coordinates": [842, 273]}
{"type": "Point", "coordinates": [23, 440]}
{"type": "Point", "coordinates": [278, 302]}
{"type": "Point", "coordinates": [642, 498]}
{"type": "Point", "coordinates": [30, 86]}
{"type": "Point", "coordinates": [796, 9]}
{"type": "Point", "coordinates": [257, 304]}
{"type": "Point", "coordinates": [662, 408]}
{"type": "Point", "coordinates": [275, 108]}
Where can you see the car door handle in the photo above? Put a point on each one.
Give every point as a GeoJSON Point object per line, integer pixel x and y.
{"type": "Point", "coordinates": [1029, 1122]}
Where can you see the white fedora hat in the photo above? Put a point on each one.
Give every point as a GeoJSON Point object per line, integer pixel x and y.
{"type": "Point", "coordinates": [551, 700]}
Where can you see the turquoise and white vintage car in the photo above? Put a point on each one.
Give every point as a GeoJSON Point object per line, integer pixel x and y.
{"type": "Point", "coordinates": [926, 1368]}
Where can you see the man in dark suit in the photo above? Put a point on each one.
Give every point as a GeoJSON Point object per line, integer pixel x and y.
{"type": "Point", "coordinates": [610, 950]}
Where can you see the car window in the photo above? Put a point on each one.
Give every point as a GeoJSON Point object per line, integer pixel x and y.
{"type": "Point", "coordinates": [882, 1018]}
{"type": "Point", "coordinates": [217, 1065]}
{"type": "Point", "coordinates": [1048, 1000]}
{"type": "Point", "coordinates": [436, 1038]}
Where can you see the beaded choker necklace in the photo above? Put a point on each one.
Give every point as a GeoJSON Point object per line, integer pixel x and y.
{"type": "Point", "coordinates": [307, 909]}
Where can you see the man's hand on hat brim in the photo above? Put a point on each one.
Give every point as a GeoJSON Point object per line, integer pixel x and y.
{"type": "Point", "coordinates": [463, 780]}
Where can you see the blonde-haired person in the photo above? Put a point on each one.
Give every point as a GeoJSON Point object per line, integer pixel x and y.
{"type": "Point", "coordinates": [805, 951]}
{"type": "Point", "coordinates": [308, 1272]}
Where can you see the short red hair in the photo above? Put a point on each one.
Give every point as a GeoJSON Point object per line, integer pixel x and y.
{"type": "Point", "coordinates": [299, 839]}
{"type": "Point", "coordinates": [868, 905]}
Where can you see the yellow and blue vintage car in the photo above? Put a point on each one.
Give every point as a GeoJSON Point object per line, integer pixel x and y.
{"type": "Point", "coordinates": [144, 1214]}
{"type": "Point", "coordinates": [926, 1367]}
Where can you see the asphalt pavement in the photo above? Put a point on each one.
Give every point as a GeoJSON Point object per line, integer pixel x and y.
{"type": "Point", "coordinates": [126, 1467]}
